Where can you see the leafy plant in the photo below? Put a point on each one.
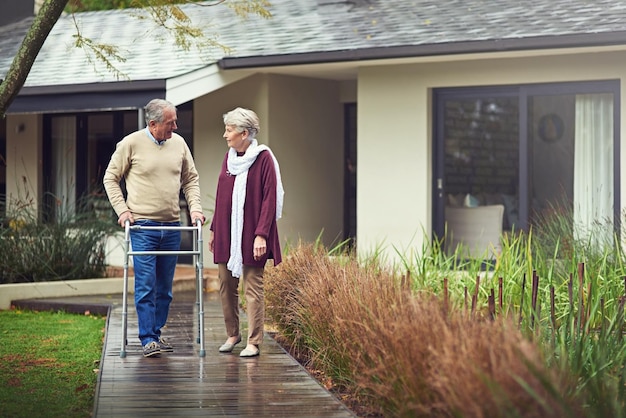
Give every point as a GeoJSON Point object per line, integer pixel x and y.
{"type": "Point", "coordinates": [70, 247]}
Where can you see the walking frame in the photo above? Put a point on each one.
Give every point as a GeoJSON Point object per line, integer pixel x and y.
{"type": "Point", "coordinates": [197, 253]}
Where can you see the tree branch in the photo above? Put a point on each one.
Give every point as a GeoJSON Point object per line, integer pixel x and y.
{"type": "Point", "coordinates": [29, 49]}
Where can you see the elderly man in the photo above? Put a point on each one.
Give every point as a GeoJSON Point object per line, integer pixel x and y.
{"type": "Point", "coordinates": [155, 164]}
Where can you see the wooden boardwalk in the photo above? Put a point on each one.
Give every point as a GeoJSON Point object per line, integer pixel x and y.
{"type": "Point", "coordinates": [183, 384]}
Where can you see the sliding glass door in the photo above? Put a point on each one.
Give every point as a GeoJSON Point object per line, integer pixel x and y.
{"type": "Point", "coordinates": [77, 148]}
{"type": "Point", "coordinates": [529, 149]}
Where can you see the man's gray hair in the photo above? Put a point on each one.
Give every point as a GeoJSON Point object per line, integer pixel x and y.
{"type": "Point", "coordinates": [155, 108]}
{"type": "Point", "coordinates": [243, 119]}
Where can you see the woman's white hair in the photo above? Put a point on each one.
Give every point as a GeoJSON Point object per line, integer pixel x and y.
{"type": "Point", "coordinates": [243, 119]}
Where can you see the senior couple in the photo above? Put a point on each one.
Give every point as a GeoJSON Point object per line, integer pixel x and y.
{"type": "Point", "coordinates": [155, 164]}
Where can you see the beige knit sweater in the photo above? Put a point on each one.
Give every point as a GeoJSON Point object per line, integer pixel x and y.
{"type": "Point", "coordinates": [154, 176]}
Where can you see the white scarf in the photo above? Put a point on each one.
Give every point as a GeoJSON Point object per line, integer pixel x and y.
{"type": "Point", "coordinates": [238, 166]}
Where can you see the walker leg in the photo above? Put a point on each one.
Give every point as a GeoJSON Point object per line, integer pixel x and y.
{"type": "Point", "coordinates": [198, 298]}
{"type": "Point", "coordinates": [125, 291]}
{"type": "Point", "coordinates": [200, 312]}
{"type": "Point", "coordinates": [200, 292]}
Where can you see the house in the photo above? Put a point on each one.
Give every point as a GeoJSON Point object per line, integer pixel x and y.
{"type": "Point", "coordinates": [382, 113]}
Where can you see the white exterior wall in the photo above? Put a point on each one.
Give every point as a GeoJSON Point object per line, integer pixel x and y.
{"type": "Point", "coordinates": [306, 122]}
{"type": "Point", "coordinates": [395, 135]}
{"type": "Point", "coordinates": [393, 160]}
{"type": "Point", "coordinates": [23, 155]}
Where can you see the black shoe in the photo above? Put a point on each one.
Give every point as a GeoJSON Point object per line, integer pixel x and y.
{"type": "Point", "coordinates": [151, 349]}
{"type": "Point", "coordinates": [165, 346]}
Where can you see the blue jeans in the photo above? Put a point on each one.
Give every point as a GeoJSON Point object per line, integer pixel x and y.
{"type": "Point", "coordinates": [154, 276]}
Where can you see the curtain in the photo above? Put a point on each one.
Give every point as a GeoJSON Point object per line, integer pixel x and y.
{"type": "Point", "coordinates": [64, 165]}
{"type": "Point", "coordinates": [593, 168]}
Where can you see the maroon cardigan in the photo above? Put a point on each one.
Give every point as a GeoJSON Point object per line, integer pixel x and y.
{"type": "Point", "coordinates": [259, 212]}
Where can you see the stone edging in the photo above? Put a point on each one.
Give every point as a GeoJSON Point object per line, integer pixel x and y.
{"type": "Point", "coordinates": [43, 290]}
{"type": "Point", "coordinates": [89, 287]}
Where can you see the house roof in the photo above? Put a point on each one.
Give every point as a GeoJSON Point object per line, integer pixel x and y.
{"type": "Point", "coordinates": [300, 32]}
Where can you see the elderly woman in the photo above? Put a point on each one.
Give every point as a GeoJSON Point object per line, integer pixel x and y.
{"type": "Point", "coordinates": [243, 234]}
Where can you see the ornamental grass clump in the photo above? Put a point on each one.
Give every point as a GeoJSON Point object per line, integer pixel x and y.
{"type": "Point", "coordinates": [401, 349]}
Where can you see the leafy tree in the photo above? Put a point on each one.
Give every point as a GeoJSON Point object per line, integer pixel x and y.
{"type": "Point", "coordinates": [166, 13]}
{"type": "Point", "coordinates": [75, 6]}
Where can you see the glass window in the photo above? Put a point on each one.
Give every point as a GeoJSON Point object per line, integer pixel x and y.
{"type": "Point", "coordinates": [481, 152]}
{"type": "Point", "coordinates": [100, 145]}
{"type": "Point", "coordinates": [77, 152]}
{"type": "Point", "coordinates": [64, 157]}
{"type": "Point", "coordinates": [530, 149]}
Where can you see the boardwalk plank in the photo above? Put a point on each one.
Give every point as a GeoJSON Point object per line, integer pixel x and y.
{"type": "Point", "coordinates": [183, 384]}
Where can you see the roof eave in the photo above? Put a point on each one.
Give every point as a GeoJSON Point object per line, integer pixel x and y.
{"type": "Point", "coordinates": [87, 97]}
{"type": "Point", "coordinates": [425, 50]}
{"type": "Point", "coordinates": [100, 87]}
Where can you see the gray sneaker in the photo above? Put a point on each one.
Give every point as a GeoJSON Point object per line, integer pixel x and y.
{"type": "Point", "coordinates": [151, 349]}
{"type": "Point", "coordinates": [165, 346]}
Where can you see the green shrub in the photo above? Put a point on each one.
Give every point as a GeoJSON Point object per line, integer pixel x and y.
{"type": "Point", "coordinates": [70, 247]}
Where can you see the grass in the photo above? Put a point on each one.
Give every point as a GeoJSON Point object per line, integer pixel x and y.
{"type": "Point", "coordinates": [48, 363]}
{"type": "Point", "coordinates": [540, 334]}
{"type": "Point", "coordinates": [417, 359]}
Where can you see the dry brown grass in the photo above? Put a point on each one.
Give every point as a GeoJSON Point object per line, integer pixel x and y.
{"type": "Point", "coordinates": [401, 351]}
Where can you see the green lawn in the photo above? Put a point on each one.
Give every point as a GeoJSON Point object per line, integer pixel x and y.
{"type": "Point", "coordinates": [48, 363]}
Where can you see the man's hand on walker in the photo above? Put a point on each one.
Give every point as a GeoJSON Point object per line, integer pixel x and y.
{"type": "Point", "coordinates": [125, 216]}
{"type": "Point", "coordinates": [197, 216]}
